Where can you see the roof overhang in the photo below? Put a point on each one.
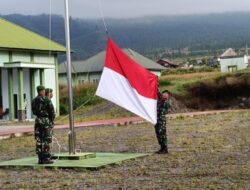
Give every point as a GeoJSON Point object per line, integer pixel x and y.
{"type": "Point", "coordinates": [20, 64]}
{"type": "Point", "coordinates": [32, 50]}
{"type": "Point", "coordinates": [230, 57]}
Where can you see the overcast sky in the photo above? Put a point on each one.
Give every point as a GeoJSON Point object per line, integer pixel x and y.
{"type": "Point", "coordinates": [124, 8]}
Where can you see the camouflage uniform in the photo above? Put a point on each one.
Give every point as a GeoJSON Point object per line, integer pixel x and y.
{"type": "Point", "coordinates": [43, 108]}
{"type": "Point", "coordinates": [163, 107]}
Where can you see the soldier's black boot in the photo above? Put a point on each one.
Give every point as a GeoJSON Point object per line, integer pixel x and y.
{"type": "Point", "coordinates": [164, 150]}
{"type": "Point", "coordinates": [158, 152]}
{"type": "Point", "coordinates": [39, 159]}
{"type": "Point", "coordinates": [48, 161]}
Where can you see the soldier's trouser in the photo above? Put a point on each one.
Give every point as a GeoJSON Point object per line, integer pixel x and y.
{"type": "Point", "coordinates": [160, 130]}
{"type": "Point", "coordinates": [43, 137]}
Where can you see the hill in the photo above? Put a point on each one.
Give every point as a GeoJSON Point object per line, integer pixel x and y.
{"type": "Point", "coordinates": [147, 35]}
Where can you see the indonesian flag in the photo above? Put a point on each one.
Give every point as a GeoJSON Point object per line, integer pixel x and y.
{"type": "Point", "coordinates": [128, 84]}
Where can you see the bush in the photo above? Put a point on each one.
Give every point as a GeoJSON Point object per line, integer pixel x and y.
{"type": "Point", "coordinates": [219, 93]}
{"type": "Point", "coordinates": [188, 70]}
{"type": "Point", "coordinates": [164, 82]}
{"type": "Point", "coordinates": [63, 109]}
{"type": "Point", "coordinates": [81, 94]}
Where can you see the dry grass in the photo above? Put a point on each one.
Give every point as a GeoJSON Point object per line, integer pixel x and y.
{"type": "Point", "coordinates": [206, 152]}
{"type": "Point", "coordinates": [176, 83]}
{"type": "Point", "coordinates": [102, 111]}
{"type": "Point", "coordinates": [191, 76]}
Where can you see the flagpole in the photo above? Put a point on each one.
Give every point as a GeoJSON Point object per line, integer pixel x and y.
{"type": "Point", "coordinates": [69, 79]}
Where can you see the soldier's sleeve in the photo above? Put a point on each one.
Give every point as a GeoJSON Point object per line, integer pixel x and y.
{"type": "Point", "coordinates": [33, 106]}
{"type": "Point", "coordinates": [168, 106]}
{"type": "Point", "coordinates": [51, 109]}
{"type": "Point", "coordinates": [158, 91]}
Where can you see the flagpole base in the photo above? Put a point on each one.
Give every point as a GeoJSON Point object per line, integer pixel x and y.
{"type": "Point", "coordinates": [76, 156]}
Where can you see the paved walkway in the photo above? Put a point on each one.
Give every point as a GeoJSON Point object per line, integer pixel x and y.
{"type": "Point", "coordinates": [17, 131]}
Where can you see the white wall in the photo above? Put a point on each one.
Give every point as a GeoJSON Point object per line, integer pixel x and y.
{"type": "Point", "coordinates": [157, 73]}
{"type": "Point", "coordinates": [5, 92]}
{"type": "Point", "coordinates": [26, 79]}
{"type": "Point", "coordinates": [15, 82]}
{"type": "Point", "coordinates": [21, 56]}
{"type": "Point", "coordinates": [4, 57]}
{"type": "Point", "coordinates": [37, 77]}
{"type": "Point", "coordinates": [94, 76]}
{"type": "Point", "coordinates": [239, 61]}
{"type": "Point", "coordinates": [62, 79]}
{"type": "Point", "coordinates": [44, 58]}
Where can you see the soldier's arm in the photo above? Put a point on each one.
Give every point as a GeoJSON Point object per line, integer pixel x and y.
{"type": "Point", "coordinates": [33, 106]}
{"type": "Point", "coordinates": [158, 91]}
{"type": "Point", "coordinates": [51, 111]}
{"type": "Point", "coordinates": [167, 106]}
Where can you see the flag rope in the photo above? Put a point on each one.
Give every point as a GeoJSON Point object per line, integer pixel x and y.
{"type": "Point", "coordinates": [102, 16]}
{"type": "Point", "coordinates": [59, 146]}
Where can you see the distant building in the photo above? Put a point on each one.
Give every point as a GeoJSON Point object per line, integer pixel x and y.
{"type": "Point", "coordinates": [230, 61]}
{"type": "Point", "coordinates": [90, 70]}
{"type": "Point", "coordinates": [228, 53]}
{"type": "Point", "coordinates": [26, 60]}
{"type": "Point", "coordinates": [184, 51]}
{"type": "Point", "coordinates": [167, 63]}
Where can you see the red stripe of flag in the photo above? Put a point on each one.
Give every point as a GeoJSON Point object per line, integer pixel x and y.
{"type": "Point", "coordinates": [142, 80]}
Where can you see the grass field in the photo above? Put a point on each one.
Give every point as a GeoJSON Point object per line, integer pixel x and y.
{"type": "Point", "coordinates": [206, 152]}
{"type": "Point", "coordinates": [175, 83]}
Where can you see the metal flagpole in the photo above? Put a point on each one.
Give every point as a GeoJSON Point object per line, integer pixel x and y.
{"type": "Point", "coordinates": [69, 77]}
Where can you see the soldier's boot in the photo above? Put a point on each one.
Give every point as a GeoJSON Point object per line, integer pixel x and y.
{"type": "Point", "coordinates": [47, 161]}
{"type": "Point", "coordinates": [159, 151]}
{"type": "Point", "coordinates": [39, 159]}
{"type": "Point", "coordinates": [163, 150]}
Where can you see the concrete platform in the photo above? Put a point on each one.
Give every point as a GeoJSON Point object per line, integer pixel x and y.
{"type": "Point", "coordinates": [101, 160]}
{"type": "Point", "coordinates": [77, 156]}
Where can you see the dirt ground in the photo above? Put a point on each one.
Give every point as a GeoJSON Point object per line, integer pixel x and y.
{"type": "Point", "coordinates": [206, 152]}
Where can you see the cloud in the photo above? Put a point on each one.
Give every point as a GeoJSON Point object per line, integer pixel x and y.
{"type": "Point", "coordinates": [124, 8]}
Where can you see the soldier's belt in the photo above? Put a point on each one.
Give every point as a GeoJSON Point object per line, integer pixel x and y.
{"type": "Point", "coordinates": [43, 116]}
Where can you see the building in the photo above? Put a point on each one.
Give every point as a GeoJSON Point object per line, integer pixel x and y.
{"type": "Point", "coordinates": [230, 61]}
{"type": "Point", "coordinates": [231, 64]}
{"type": "Point", "coordinates": [167, 63]}
{"type": "Point", "coordinates": [26, 61]}
{"type": "Point", "coordinates": [90, 70]}
{"type": "Point", "coordinates": [228, 53]}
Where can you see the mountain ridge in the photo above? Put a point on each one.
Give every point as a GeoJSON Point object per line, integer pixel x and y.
{"type": "Point", "coordinates": [146, 34]}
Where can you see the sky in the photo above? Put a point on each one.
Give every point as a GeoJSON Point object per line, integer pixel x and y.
{"type": "Point", "coordinates": [123, 8]}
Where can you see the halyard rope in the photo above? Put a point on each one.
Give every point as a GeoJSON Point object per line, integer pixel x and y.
{"type": "Point", "coordinates": [102, 16]}
{"type": "Point", "coordinates": [59, 146]}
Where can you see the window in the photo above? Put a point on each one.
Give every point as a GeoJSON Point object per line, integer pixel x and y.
{"type": "Point", "coordinates": [95, 81]}
{"type": "Point", "coordinates": [232, 68]}
{"type": "Point", "coordinates": [80, 82]}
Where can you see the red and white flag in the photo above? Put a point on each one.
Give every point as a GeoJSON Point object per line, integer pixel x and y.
{"type": "Point", "coordinates": [127, 84]}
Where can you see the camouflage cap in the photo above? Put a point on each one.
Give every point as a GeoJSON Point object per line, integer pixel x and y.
{"type": "Point", "coordinates": [166, 91]}
{"type": "Point", "coordinates": [40, 87]}
{"type": "Point", "coordinates": [48, 90]}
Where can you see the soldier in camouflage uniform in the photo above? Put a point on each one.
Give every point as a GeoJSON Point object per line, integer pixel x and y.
{"type": "Point", "coordinates": [49, 95]}
{"type": "Point", "coordinates": [163, 107]}
{"type": "Point", "coordinates": [42, 108]}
